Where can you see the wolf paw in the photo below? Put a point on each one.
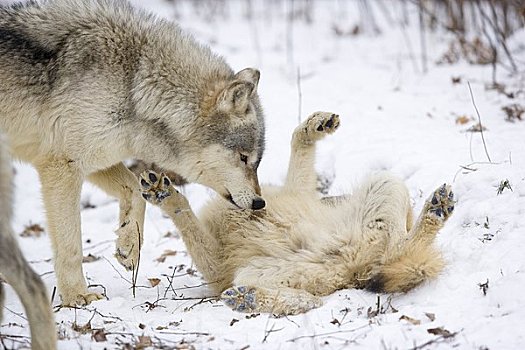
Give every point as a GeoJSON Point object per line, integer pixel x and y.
{"type": "Point", "coordinates": [155, 188]}
{"type": "Point", "coordinates": [318, 125]}
{"type": "Point", "coordinates": [442, 202]}
{"type": "Point", "coordinates": [128, 244]}
{"type": "Point", "coordinates": [240, 298]}
{"type": "Point", "coordinates": [82, 299]}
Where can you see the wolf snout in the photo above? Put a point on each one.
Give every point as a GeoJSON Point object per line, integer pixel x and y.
{"type": "Point", "coordinates": [258, 203]}
{"type": "Point", "coordinates": [246, 199]}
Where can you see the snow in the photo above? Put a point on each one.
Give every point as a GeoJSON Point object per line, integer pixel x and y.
{"type": "Point", "coordinates": [394, 117]}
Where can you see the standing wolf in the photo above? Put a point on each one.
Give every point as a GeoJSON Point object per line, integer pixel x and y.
{"type": "Point", "coordinates": [26, 283]}
{"type": "Point", "coordinates": [86, 84]}
{"type": "Point", "coordinates": [301, 246]}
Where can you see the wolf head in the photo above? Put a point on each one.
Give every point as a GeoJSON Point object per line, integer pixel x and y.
{"type": "Point", "coordinates": [219, 140]}
{"type": "Point", "coordinates": [232, 145]}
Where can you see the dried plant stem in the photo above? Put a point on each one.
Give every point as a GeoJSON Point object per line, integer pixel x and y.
{"type": "Point", "coordinates": [479, 121]}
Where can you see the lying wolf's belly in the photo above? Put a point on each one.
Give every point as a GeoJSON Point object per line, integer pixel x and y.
{"type": "Point", "coordinates": [290, 224]}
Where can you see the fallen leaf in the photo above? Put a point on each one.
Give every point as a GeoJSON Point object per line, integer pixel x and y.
{"type": "Point", "coordinates": [143, 342]}
{"type": "Point", "coordinates": [164, 255]}
{"type": "Point", "coordinates": [233, 321]}
{"type": "Point", "coordinates": [410, 319]}
{"type": "Point", "coordinates": [32, 230]}
{"type": "Point", "coordinates": [154, 281]}
{"type": "Point", "coordinates": [82, 329]}
{"type": "Point", "coordinates": [335, 321]}
{"type": "Point", "coordinates": [99, 335]}
{"type": "Point", "coordinates": [430, 316]}
{"type": "Point", "coordinates": [142, 325]}
{"type": "Point", "coordinates": [462, 120]}
{"type": "Point", "coordinates": [440, 331]}
{"type": "Point", "coordinates": [476, 128]}
{"type": "Point", "coordinates": [90, 258]}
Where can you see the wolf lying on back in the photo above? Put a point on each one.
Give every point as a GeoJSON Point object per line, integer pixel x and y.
{"type": "Point", "coordinates": [301, 247]}
{"type": "Point", "coordinates": [85, 84]}
{"type": "Point", "coordinates": [26, 283]}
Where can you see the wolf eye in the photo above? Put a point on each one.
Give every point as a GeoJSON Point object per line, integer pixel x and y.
{"type": "Point", "coordinates": [244, 158]}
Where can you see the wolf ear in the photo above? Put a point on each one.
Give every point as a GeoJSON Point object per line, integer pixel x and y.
{"type": "Point", "coordinates": [250, 75]}
{"type": "Point", "coordinates": [236, 96]}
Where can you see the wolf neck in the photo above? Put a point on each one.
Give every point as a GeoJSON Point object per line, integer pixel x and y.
{"type": "Point", "coordinates": [172, 81]}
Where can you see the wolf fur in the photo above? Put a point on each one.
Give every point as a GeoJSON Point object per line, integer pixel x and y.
{"type": "Point", "coordinates": [302, 246]}
{"type": "Point", "coordinates": [15, 269]}
{"type": "Point", "coordinates": [89, 83]}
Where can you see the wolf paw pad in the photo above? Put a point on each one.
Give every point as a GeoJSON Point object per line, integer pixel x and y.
{"type": "Point", "coordinates": [322, 122]}
{"type": "Point", "coordinates": [240, 298]}
{"type": "Point", "coordinates": [155, 188]}
{"type": "Point", "coordinates": [317, 126]}
{"type": "Point", "coordinates": [442, 202]}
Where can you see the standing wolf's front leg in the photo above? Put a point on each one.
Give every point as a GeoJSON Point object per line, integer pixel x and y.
{"type": "Point", "coordinates": [301, 172]}
{"type": "Point", "coordinates": [61, 184]}
{"type": "Point", "coordinates": [118, 181]}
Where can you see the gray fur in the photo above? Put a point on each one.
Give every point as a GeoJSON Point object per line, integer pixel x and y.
{"type": "Point", "coordinates": [89, 83]}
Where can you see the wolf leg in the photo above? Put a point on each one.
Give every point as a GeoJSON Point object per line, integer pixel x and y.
{"type": "Point", "coordinates": [118, 181]}
{"type": "Point", "coordinates": [381, 211]}
{"type": "Point", "coordinates": [281, 301]}
{"type": "Point", "coordinates": [201, 244]}
{"type": "Point", "coordinates": [61, 185]}
{"type": "Point", "coordinates": [301, 172]}
{"type": "Point", "coordinates": [436, 211]}
{"type": "Point", "coordinates": [416, 259]}
{"type": "Point", "coordinates": [270, 284]}
{"type": "Point", "coordinates": [32, 292]}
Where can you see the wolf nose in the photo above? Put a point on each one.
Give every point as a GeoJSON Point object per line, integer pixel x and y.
{"type": "Point", "coordinates": [258, 203]}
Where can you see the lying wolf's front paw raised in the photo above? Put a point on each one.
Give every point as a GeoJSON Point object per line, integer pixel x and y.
{"type": "Point", "coordinates": [442, 202]}
{"type": "Point", "coordinates": [155, 188]}
{"type": "Point", "coordinates": [317, 126]}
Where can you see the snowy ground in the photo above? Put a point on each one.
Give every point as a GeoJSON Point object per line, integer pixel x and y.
{"type": "Point", "coordinates": [394, 118]}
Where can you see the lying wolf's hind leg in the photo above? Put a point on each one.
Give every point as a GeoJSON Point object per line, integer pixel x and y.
{"type": "Point", "coordinates": [417, 260]}
{"type": "Point", "coordinates": [119, 182]}
{"type": "Point", "coordinates": [282, 301]}
{"type": "Point", "coordinates": [301, 172]}
{"type": "Point", "coordinates": [436, 211]}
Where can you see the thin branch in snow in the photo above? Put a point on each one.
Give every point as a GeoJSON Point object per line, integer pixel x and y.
{"type": "Point", "coordinates": [299, 95]}
{"type": "Point", "coordinates": [329, 333]}
{"type": "Point", "coordinates": [135, 271]}
{"type": "Point", "coordinates": [479, 121]}
{"type": "Point", "coordinates": [117, 271]}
